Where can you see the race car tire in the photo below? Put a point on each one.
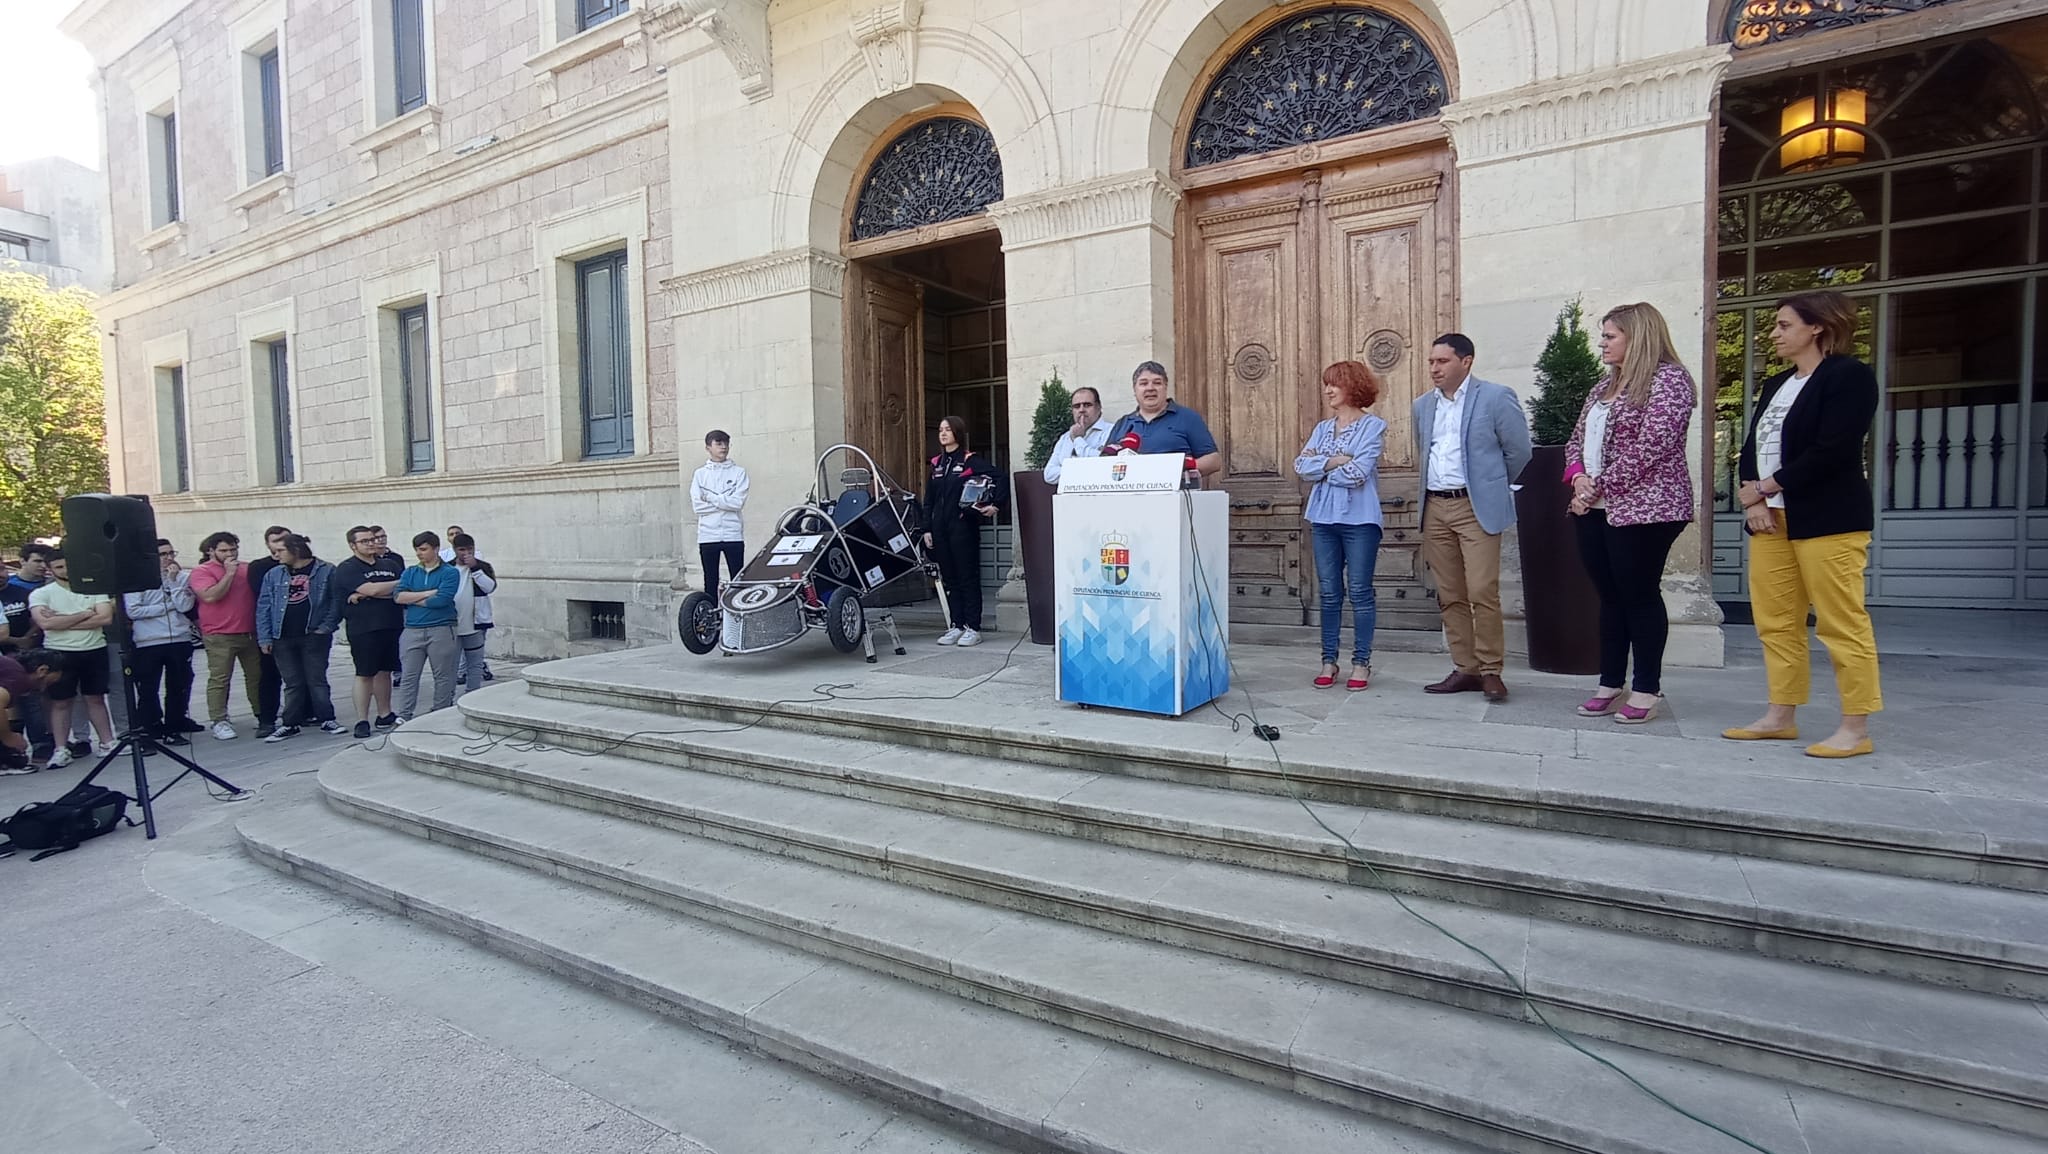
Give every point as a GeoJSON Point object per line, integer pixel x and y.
{"type": "Point", "coordinates": [845, 621]}
{"type": "Point", "coordinates": [699, 622]}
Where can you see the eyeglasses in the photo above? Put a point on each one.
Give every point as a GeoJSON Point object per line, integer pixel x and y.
{"type": "Point", "coordinates": [167, 552]}
{"type": "Point", "coordinates": [1079, 405]}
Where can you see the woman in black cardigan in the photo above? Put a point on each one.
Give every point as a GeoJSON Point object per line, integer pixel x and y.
{"type": "Point", "coordinates": [1808, 511]}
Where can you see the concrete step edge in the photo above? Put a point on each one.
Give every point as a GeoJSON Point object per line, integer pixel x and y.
{"type": "Point", "coordinates": [1345, 1083]}
{"type": "Point", "coordinates": [353, 858]}
{"type": "Point", "coordinates": [1849, 1066]}
{"type": "Point", "coordinates": [1418, 784]}
{"type": "Point", "coordinates": [1818, 935]}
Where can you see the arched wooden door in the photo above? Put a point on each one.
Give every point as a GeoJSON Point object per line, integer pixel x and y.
{"type": "Point", "coordinates": [1296, 250]}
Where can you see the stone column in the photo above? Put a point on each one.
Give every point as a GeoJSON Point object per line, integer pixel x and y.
{"type": "Point", "coordinates": [1595, 186]}
{"type": "Point", "coordinates": [1089, 269]}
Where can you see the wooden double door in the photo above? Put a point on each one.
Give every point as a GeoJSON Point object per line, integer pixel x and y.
{"type": "Point", "coordinates": [1282, 274]}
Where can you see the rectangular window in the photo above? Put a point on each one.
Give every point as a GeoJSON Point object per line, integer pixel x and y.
{"type": "Point", "coordinates": [597, 620]}
{"type": "Point", "coordinates": [164, 151]}
{"type": "Point", "coordinates": [409, 55]}
{"type": "Point", "coordinates": [281, 412]}
{"type": "Point", "coordinates": [416, 388]}
{"type": "Point", "coordinates": [13, 247]}
{"type": "Point", "coordinates": [181, 435]}
{"type": "Point", "coordinates": [591, 13]}
{"type": "Point", "coordinates": [272, 100]}
{"type": "Point", "coordinates": [604, 335]}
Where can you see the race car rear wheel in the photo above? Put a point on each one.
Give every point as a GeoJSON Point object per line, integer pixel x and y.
{"type": "Point", "coordinates": [845, 620]}
{"type": "Point", "coordinates": [699, 621]}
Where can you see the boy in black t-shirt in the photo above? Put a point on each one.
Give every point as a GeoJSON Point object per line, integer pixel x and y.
{"type": "Point", "coordinates": [365, 583]}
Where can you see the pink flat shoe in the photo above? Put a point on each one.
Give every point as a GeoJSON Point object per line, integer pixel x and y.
{"type": "Point", "coordinates": [1630, 715]}
{"type": "Point", "coordinates": [1600, 706]}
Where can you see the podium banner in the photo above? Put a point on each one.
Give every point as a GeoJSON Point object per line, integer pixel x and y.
{"type": "Point", "coordinates": [1142, 595]}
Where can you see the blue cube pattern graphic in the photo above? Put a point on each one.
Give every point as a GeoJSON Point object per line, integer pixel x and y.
{"type": "Point", "coordinates": [1118, 652]}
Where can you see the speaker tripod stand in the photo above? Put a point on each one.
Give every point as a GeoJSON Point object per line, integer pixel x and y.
{"type": "Point", "coordinates": [138, 743]}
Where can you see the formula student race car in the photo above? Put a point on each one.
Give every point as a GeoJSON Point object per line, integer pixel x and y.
{"type": "Point", "coordinates": [829, 562]}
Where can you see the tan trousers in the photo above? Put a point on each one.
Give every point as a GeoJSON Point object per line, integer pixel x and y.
{"type": "Point", "coordinates": [1785, 577]}
{"type": "Point", "coordinates": [223, 651]}
{"type": "Point", "coordinates": [1464, 562]}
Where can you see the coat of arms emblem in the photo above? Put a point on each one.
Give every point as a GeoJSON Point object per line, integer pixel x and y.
{"type": "Point", "coordinates": [1116, 558]}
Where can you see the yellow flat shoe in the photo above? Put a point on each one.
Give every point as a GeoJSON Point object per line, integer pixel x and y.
{"type": "Point", "coordinates": [1741, 734]}
{"type": "Point", "coordinates": [1857, 750]}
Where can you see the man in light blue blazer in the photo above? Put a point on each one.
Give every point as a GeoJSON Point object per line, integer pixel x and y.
{"type": "Point", "coordinates": [1472, 441]}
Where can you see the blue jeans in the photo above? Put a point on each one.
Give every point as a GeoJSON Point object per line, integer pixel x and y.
{"type": "Point", "coordinates": [1345, 558]}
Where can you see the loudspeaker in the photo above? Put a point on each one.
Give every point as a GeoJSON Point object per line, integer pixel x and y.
{"type": "Point", "coordinates": [110, 544]}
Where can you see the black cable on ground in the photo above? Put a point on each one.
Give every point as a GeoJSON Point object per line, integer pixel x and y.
{"type": "Point", "coordinates": [1269, 736]}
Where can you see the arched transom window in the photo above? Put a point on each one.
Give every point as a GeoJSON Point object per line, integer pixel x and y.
{"type": "Point", "coordinates": [936, 170]}
{"type": "Point", "coordinates": [1754, 22]}
{"type": "Point", "coordinates": [1313, 77]}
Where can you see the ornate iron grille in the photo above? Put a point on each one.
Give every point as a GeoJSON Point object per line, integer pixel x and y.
{"type": "Point", "coordinates": [937, 170]}
{"type": "Point", "coordinates": [1755, 22]}
{"type": "Point", "coordinates": [1314, 77]}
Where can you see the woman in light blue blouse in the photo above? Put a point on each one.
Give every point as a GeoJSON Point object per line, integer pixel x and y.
{"type": "Point", "coordinates": [1342, 457]}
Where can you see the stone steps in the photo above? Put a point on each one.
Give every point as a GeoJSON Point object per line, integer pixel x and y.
{"type": "Point", "coordinates": [1601, 784]}
{"type": "Point", "coordinates": [1942, 1051]}
{"type": "Point", "coordinates": [1971, 937]}
{"type": "Point", "coordinates": [1461, 1075]}
{"type": "Point", "coordinates": [1025, 1084]}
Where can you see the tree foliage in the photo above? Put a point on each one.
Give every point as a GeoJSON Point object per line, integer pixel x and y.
{"type": "Point", "coordinates": [53, 423]}
{"type": "Point", "coordinates": [1565, 374]}
{"type": "Point", "coordinates": [1054, 415]}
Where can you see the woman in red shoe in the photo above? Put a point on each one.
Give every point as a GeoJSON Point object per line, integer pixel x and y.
{"type": "Point", "coordinates": [1632, 497]}
{"type": "Point", "coordinates": [1807, 509]}
{"type": "Point", "coordinates": [1342, 457]}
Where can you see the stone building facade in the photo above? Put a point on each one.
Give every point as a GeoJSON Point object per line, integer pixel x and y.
{"type": "Point", "coordinates": [845, 219]}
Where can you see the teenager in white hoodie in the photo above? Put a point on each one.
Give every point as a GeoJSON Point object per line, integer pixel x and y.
{"type": "Point", "coordinates": [717, 495]}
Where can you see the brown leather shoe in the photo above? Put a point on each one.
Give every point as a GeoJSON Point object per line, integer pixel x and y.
{"type": "Point", "coordinates": [1495, 689]}
{"type": "Point", "coordinates": [1456, 683]}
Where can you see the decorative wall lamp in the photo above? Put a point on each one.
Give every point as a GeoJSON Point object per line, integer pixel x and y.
{"type": "Point", "coordinates": [1809, 141]}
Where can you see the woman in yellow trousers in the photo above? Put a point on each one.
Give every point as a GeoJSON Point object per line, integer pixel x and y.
{"type": "Point", "coordinates": [1808, 511]}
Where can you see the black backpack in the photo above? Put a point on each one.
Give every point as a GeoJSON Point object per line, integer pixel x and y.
{"type": "Point", "coordinates": [55, 826]}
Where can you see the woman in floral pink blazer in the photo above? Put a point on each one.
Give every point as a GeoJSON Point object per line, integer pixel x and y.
{"type": "Point", "coordinates": [1632, 494]}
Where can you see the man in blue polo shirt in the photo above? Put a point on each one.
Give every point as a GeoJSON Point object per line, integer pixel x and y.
{"type": "Point", "coordinates": [427, 591]}
{"type": "Point", "coordinates": [1162, 426]}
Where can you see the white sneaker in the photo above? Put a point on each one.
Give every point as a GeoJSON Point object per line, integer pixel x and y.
{"type": "Point", "coordinates": [223, 731]}
{"type": "Point", "coordinates": [332, 727]}
{"type": "Point", "coordinates": [59, 759]}
{"type": "Point", "coordinates": [970, 637]}
{"type": "Point", "coordinates": [951, 636]}
{"type": "Point", "coordinates": [101, 748]}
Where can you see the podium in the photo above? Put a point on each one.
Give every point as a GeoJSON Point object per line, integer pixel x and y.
{"type": "Point", "coordinates": [1142, 571]}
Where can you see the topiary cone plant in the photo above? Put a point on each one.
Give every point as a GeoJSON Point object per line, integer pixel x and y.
{"type": "Point", "coordinates": [1053, 416]}
{"type": "Point", "coordinates": [1565, 373]}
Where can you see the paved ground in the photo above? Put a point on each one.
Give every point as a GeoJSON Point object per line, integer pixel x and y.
{"type": "Point", "coordinates": [171, 995]}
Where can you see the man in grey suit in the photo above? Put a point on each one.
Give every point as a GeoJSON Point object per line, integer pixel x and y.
{"type": "Point", "coordinates": [1473, 441]}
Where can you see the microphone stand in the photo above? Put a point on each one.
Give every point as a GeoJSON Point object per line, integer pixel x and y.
{"type": "Point", "coordinates": [139, 743]}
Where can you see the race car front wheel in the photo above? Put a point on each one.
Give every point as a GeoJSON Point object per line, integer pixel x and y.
{"type": "Point", "coordinates": [845, 621]}
{"type": "Point", "coordinates": [699, 622]}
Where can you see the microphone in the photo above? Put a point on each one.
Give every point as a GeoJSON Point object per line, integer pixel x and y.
{"type": "Point", "coordinates": [1129, 444]}
{"type": "Point", "coordinates": [1130, 440]}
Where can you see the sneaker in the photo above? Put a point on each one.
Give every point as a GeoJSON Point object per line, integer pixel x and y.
{"type": "Point", "coordinates": [16, 770]}
{"type": "Point", "coordinates": [970, 637]}
{"type": "Point", "coordinates": [361, 732]}
{"type": "Point", "coordinates": [951, 636]}
{"type": "Point", "coordinates": [223, 731]}
{"type": "Point", "coordinates": [388, 721]}
{"type": "Point", "coordinates": [175, 738]}
{"type": "Point", "coordinates": [190, 726]}
{"type": "Point", "coordinates": [488, 675]}
{"type": "Point", "coordinates": [331, 727]}
{"type": "Point", "coordinates": [78, 748]}
{"type": "Point", "coordinates": [281, 733]}
{"type": "Point", "coordinates": [101, 748]}
{"type": "Point", "coordinates": [61, 758]}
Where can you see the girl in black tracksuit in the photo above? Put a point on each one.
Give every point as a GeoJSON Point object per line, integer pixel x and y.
{"type": "Point", "coordinates": [954, 531]}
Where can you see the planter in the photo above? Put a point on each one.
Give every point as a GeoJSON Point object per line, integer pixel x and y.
{"type": "Point", "coordinates": [1031, 505]}
{"type": "Point", "coordinates": [1561, 608]}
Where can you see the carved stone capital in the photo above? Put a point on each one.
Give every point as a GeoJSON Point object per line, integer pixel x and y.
{"type": "Point", "coordinates": [887, 35]}
{"type": "Point", "coordinates": [782, 273]}
{"type": "Point", "coordinates": [1105, 204]}
{"type": "Point", "coordinates": [1647, 96]}
{"type": "Point", "coordinates": [738, 27]}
